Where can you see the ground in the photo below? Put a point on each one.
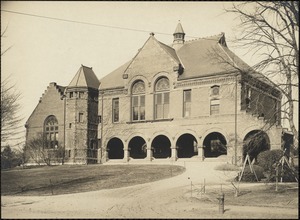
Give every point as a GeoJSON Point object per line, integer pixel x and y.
{"type": "Point", "coordinates": [167, 198]}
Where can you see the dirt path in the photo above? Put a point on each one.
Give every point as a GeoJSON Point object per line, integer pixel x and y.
{"type": "Point", "coordinates": [169, 198]}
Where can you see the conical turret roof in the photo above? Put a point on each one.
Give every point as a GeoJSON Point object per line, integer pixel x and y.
{"type": "Point", "coordinates": [85, 77]}
{"type": "Point", "coordinates": [179, 28]}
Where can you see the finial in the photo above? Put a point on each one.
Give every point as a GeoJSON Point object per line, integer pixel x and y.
{"type": "Point", "coordinates": [152, 34]}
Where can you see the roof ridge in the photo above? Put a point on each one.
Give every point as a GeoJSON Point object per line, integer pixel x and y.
{"type": "Point", "coordinates": [205, 38]}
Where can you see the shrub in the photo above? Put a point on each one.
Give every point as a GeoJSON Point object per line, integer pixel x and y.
{"type": "Point", "coordinates": [248, 176]}
{"type": "Point", "coordinates": [267, 159]}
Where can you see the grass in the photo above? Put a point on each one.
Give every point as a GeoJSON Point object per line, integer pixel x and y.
{"type": "Point", "coordinates": [227, 167]}
{"type": "Point", "coordinates": [55, 180]}
{"type": "Point", "coordinates": [259, 195]}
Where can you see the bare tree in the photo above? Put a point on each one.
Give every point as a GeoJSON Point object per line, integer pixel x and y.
{"type": "Point", "coordinates": [36, 150]}
{"type": "Point", "coordinates": [10, 118]}
{"type": "Point", "coordinates": [270, 31]}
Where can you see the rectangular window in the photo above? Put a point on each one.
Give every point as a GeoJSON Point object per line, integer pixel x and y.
{"type": "Point", "coordinates": [138, 107]}
{"type": "Point", "coordinates": [99, 119]}
{"type": "Point", "coordinates": [80, 117]}
{"type": "Point", "coordinates": [115, 110]}
{"type": "Point", "coordinates": [214, 107]}
{"type": "Point", "coordinates": [70, 125]}
{"type": "Point", "coordinates": [71, 94]}
{"type": "Point", "coordinates": [186, 103]}
{"type": "Point", "coordinates": [162, 105]}
{"type": "Point", "coordinates": [81, 94]}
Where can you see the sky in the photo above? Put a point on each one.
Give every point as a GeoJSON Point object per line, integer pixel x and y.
{"type": "Point", "coordinates": [101, 35]}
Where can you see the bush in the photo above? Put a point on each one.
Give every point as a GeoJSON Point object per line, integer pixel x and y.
{"type": "Point", "coordinates": [248, 176]}
{"type": "Point", "coordinates": [267, 159]}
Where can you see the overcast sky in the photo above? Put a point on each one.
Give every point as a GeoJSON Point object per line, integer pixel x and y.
{"type": "Point", "coordinates": [48, 50]}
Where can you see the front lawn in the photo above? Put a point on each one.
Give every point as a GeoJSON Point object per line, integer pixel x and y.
{"type": "Point", "coordinates": [80, 178]}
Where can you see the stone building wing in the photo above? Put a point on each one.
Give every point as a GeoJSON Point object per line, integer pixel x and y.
{"type": "Point", "coordinates": [85, 77]}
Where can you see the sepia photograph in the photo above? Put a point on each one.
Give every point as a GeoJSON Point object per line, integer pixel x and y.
{"type": "Point", "coordinates": [149, 109]}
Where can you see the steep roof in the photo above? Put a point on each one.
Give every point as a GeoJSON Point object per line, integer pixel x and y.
{"type": "Point", "coordinates": [85, 77]}
{"type": "Point", "coordinates": [115, 78]}
{"type": "Point", "coordinates": [178, 29]}
{"type": "Point", "coordinates": [200, 57]}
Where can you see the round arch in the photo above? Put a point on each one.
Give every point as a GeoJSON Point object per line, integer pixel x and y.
{"type": "Point", "coordinates": [214, 144]}
{"type": "Point", "coordinates": [115, 148]}
{"type": "Point", "coordinates": [254, 142]}
{"type": "Point", "coordinates": [187, 146]}
{"type": "Point", "coordinates": [159, 75]}
{"type": "Point", "coordinates": [161, 146]}
{"type": "Point", "coordinates": [137, 147]}
{"type": "Point", "coordinates": [136, 78]}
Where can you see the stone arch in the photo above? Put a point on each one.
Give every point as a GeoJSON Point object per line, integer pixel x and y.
{"type": "Point", "coordinates": [254, 142]}
{"type": "Point", "coordinates": [136, 78]}
{"type": "Point", "coordinates": [115, 148]}
{"type": "Point", "coordinates": [215, 129]}
{"type": "Point", "coordinates": [187, 145]}
{"type": "Point", "coordinates": [161, 132]}
{"type": "Point", "coordinates": [215, 144]}
{"type": "Point", "coordinates": [159, 75]}
{"type": "Point", "coordinates": [189, 131]}
{"type": "Point", "coordinates": [51, 131]}
{"type": "Point", "coordinates": [137, 147]}
{"type": "Point", "coordinates": [161, 145]}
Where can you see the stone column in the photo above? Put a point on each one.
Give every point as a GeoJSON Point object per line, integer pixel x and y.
{"type": "Point", "coordinates": [149, 150]}
{"type": "Point", "coordinates": [126, 154]}
{"type": "Point", "coordinates": [173, 153]}
{"type": "Point", "coordinates": [200, 152]}
{"type": "Point", "coordinates": [106, 152]}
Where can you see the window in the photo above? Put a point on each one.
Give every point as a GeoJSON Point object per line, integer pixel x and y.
{"type": "Point", "coordinates": [70, 125]}
{"type": "Point", "coordinates": [115, 112]}
{"type": "Point", "coordinates": [187, 103]}
{"type": "Point", "coordinates": [248, 98]}
{"type": "Point", "coordinates": [215, 90]}
{"type": "Point", "coordinates": [214, 106]}
{"type": "Point", "coordinates": [51, 132]}
{"type": "Point", "coordinates": [138, 101]}
{"type": "Point", "coordinates": [80, 117]}
{"type": "Point", "coordinates": [161, 98]}
{"type": "Point", "coordinates": [71, 94]}
{"type": "Point", "coordinates": [81, 94]}
{"type": "Point", "coordinates": [99, 119]}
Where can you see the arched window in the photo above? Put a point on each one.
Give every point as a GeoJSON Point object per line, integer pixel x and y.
{"type": "Point", "coordinates": [138, 101]}
{"type": "Point", "coordinates": [161, 98]}
{"type": "Point", "coordinates": [51, 131]}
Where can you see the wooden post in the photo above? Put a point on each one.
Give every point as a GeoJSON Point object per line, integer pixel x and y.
{"type": "Point", "coordinates": [276, 184]}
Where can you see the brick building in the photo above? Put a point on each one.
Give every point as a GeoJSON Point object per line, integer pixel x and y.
{"type": "Point", "coordinates": [194, 99]}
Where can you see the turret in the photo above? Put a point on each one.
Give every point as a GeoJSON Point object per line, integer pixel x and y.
{"type": "Point", "coordinates": [178, 37]}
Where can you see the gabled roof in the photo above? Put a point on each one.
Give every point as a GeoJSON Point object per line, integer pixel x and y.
{"type": "Point", "coordinates": [170, 51]}
{"type": "Point", "coordinates": [115, 78]}
{"type": "Point", "coordinates": [199, 57]}
{"type": "Point", "coordinates": [85, 77]}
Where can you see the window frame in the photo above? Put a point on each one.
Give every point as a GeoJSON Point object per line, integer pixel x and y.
{"type": "Point", "coordinates": [115, 110]}
{"type": "Point", "coordinates": [164, 93]}
{"type": "Point", "coordinates": [185, 102]}
{"type": "Point", "coordinates": [217, 104]}
{"type": "Point", "coordinates": [138, 101]}
{"type": "Point", "coordinates": [51, 132]}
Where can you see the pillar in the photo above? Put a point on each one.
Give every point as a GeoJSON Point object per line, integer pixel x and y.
{"type": "Point", "coordinates": [149, 150]}
{"type": "Point", "coordinates": [149, 153]}
{"type": "Point", "coordinates": [200, 152]}
{"type": "Point", "coordinates": [173, 153]}
{"type": "Point", "coordinates": [126, 154]}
